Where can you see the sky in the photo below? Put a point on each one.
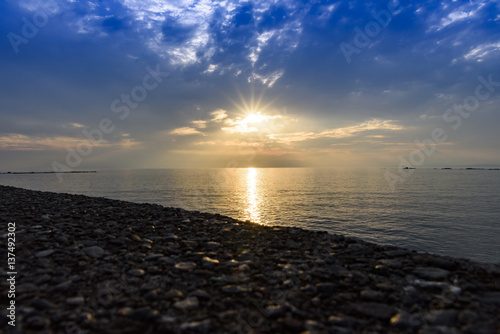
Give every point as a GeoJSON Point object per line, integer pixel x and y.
{"type": "Point", "coordinates": [284, 83]}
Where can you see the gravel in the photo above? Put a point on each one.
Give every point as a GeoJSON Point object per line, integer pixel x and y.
{"type": "Point", "coordinates": [95, 265]}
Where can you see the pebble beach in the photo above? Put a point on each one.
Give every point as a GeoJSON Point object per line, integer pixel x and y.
{"type": "Point", "coordinates": [96, 265]}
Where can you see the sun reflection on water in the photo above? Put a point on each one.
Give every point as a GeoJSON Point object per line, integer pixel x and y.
{"type": "Point", "coordinates": [252, 210]}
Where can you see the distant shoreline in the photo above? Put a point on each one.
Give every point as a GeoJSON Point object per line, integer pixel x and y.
{"type": "Point", "coordinates": [72, 172]}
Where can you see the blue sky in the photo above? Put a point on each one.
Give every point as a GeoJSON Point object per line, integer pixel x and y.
{"type": "Point", "coordinates": [247, 83]}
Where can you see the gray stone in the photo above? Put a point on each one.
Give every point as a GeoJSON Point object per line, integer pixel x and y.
{"type": "Point", "coordinates": [442, 317]}
{"type": "Point", "coordinates": [45, 253]}
{"type": "Point", "coordinates": [151, 296]}
{"type": "Point", "coordinates": [75, 301]}
{"type": "Point", "coordinates": [401, 320]}
{"type": "Point", "coordinates": [196, 326]}
{"type": "Point", "coordinates": [235, 289]}
{"type": "Point", "coordinates": [433, 274]}
{"type": "Point", "coordinates": [372, 295]}
{"type": "Point", "coordinates": [144, 314]}
{"type": "Point", "coordinates": [209, 262]}
{"type": "Point", "coordinates": [491, 298]}
{"type": "Point", "coordinates": [94, 251]}
{"type": "Point", "coordinates": [376, 310]}
{"type": "Point", "coordinates": [152, 257]}
{"type": "Point", "coordinates": [275, 311]}
{"type": "Point", "coordinates": [42, 304]}
{"type": "Point", "coordinates": [467, 317]}
{"type": "Point", "coordinates": [136, 272]}
{"type": "Point", "coordinates": [201, 294]}
{"type": "Point", "coordinates": [173, 293]}
{"type": "Point", "coordinates": [188, 303]}
{"type": "Point", "coordinates": [37, 322]}
{"type": "Point", "coordinates": [64, 286]}
{"type": "Point", "coordinates": [186, 266]}
{"type": "Point", "coordinates": [326, 288]}
{"type": "Point", "coordinates": [291, 325]}
{"type": "Point", "coordinates": [392, 263]}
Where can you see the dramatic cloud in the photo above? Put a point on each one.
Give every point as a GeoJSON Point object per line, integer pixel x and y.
{"type": "Point", "coordinates": [190, 83]}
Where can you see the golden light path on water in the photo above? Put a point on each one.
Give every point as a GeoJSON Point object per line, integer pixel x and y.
{"type": "Point", "coordinates": [252, 209]}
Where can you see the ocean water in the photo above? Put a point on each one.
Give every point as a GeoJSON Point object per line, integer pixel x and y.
{"type": "Point", "coordinates": [448, 212]}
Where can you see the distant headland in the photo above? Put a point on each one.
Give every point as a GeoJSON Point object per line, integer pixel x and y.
{"type": "Point", "coordinates": [70, 172]}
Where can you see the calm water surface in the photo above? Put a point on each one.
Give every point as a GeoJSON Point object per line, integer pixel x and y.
{"type": "Point", "coordinates": [450, 212]}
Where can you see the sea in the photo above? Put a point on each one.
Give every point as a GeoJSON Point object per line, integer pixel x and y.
{"type": "Point", "coordinates": [449, 212]}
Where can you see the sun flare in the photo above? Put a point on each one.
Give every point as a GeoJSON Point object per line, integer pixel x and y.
{"type": "Point", "coordinates": [254, 118]}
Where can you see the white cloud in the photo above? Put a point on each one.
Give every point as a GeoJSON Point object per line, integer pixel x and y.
{"type": "Point", "coordinates": [218, 115]}
{"type": "Point", "coordinates": [20, 142]}
{"type": "Point", "coordinates": [374, 124]}
{"type": "Point", "coordinates": [200, 124]}
{"type": "Point", "coordinates": [482, 51]}
{"type": "Point", "coordinates": [186, 131]}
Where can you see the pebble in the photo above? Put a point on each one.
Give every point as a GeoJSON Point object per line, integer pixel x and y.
{"type": "Point", "coordinates": [442, 317]}
{"type": "Point", "coordinates": [94, 251]}
{"type": "Point", "coordinates": [153, 256]}
{"type": "Point", "coordinates": [157, 274]}
{"type": "Point", "coordinates": [188, 303]}
{"type": "Point", "coordinates": [372, 295]}
{"type": "Point", "coordinates": [144, 314]}
{"type": "Point", "coordinates": [209, 262]}
{"type": "Point", "coordinates": [196, 326]}
{"type": "Point", "coordinates": [275, 311]}
{"type": "Point", "coordinates": [45, 253]}
{"type": "Point", "coordinates": [75, 300]}
{"type": "Point", "coordinates": [173, 293]}
{"type": "Point", "coordinates": [42, 304]}
{"type": "Point", "coordinates": [433, 274]}
{"type": "Point", "coordinates": [136, 272]}
{"type": "Point", "coordinates": [376, 310]}
{"type": "Point", "coordinates": [37, 323]}
{"type": "Point", "coordinates": [186, 266]}
{"type": "Point", "coordinates": [401, 320]}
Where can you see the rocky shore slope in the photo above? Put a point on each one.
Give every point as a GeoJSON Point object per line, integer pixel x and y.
{"type": "Point", "coordinates": [94, 265]}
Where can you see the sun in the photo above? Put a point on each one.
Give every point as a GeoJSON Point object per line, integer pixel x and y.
{"type": "Point", "coordinates": [254, 118]}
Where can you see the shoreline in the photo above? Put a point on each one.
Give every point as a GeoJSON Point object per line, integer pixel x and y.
{"type": "Point", "coordinates": [109, 266]}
